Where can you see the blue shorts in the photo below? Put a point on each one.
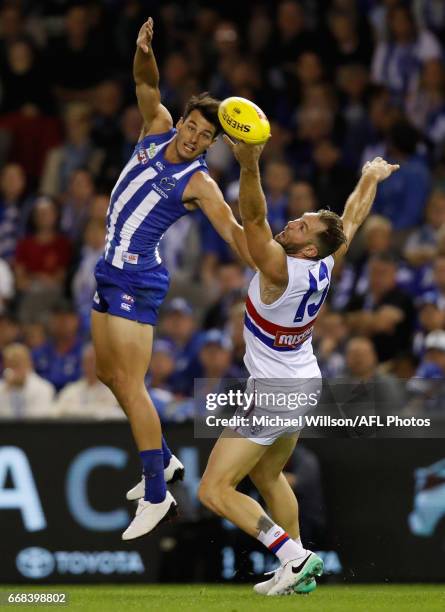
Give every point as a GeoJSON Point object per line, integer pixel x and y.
{"type": "Point", "coordinates": [132, 295]}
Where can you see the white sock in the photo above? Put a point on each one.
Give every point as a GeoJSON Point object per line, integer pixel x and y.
{"type": "Point", "coordinates": [279, 542]}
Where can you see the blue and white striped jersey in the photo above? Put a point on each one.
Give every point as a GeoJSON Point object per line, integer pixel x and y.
{"type": "Point", "coordinates": [145, 202]}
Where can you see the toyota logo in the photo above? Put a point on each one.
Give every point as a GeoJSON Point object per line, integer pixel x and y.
{"type": "Point", "coordinates": [35, 562]}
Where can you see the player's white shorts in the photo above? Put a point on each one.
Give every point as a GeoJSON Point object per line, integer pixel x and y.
{"type": "Point", "coordinates": [276, 408]}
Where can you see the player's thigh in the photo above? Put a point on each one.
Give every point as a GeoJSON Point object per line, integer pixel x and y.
{"type": "Point", "coordinates": [273, 461]}
{"type": "Point", "coordinates": [231, 459]}
{"type": "Point", "coordinates": [130, 345]}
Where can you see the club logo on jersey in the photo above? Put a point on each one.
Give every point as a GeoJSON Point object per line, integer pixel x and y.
{"type": "Point", "coordinates": [127, 298]}
{"type": "Point", "coordinates": [167, 183]}
{"type": "Point", "coordinates": [289, 340]}
{"type": "Point", "coordinates": [142, 157]}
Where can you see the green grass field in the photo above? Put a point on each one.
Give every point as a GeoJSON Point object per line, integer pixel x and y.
{"type": "Point", "coordinates": [206, 598]}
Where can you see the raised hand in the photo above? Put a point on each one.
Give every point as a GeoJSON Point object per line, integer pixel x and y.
{"type": "Point", "coordinates": [145, 36]}
{"type": "Point", "coordinates": [379, 168]}
{"type": "Point", "coordinates": [247, 155]}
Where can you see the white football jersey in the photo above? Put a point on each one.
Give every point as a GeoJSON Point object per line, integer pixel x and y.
{"type": "Point", "coordinates": [279, 336]}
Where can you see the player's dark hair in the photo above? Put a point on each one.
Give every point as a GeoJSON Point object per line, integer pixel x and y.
{"type": "Point", "coordinates": [331, 238]}
{"type": "Point", "coordinates": [207, 106]}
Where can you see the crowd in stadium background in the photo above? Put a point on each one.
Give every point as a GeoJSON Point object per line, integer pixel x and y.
{"type": "Point", "coordinates": [341, 82]}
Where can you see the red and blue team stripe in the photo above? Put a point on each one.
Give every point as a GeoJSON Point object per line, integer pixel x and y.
{"type": "Point", "coordinates": [275, 546]}
{"type": "Point", "coordinates": [269, 333]}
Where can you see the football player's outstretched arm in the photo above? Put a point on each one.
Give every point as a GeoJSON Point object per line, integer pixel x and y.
{"type": "Point", "coordinates": [359, 203]}
{"type": "Point", "coordinates": [204, 190]}
{"type": "Point", "coordinates": [156, 117]}
{"type": "Point", "coordinates": [268, 255]}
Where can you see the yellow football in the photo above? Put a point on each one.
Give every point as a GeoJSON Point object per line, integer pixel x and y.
{"type": "Point", "coordinates": [244, 120]}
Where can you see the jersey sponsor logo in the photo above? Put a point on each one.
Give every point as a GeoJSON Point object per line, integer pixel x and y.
{"type": "Point", "coordinates": [125, 306]}
{"type": "Point", "coordinates": [131, 258]}
{"type": "Point", "coordinates": [284, 338]}
{"type": "Point", "coordinates": [127, 298]}
{"type": "Point", "coordinates": [159, 190]}
{"type": "Point", "coordinates": [142, 157]}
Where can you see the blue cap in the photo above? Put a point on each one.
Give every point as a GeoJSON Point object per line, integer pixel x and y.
{"type": "Point", "coordinates": [216, 336]}
{"type": "Point", "coordinates": [429, 297]}
{"type": "Point", "coordinates": [179, 305]}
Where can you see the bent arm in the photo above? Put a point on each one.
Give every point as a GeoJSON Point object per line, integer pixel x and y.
{"type": "Point", "coordinates": [156, 117]}
{"type": "Point", "coordinates": [211, 201]}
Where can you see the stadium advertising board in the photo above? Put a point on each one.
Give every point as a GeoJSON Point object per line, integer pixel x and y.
{"type": "Point", "coordinates": [62, 521]}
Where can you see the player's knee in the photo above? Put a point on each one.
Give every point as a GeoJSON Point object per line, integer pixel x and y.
{"type": "Point", "coordinates": [262, 478]}
{"type": "Point", "coordinates": [210, 495]}
{"type": "Point", "coordinates": [104, 375]}
{"type": "Point", "coordinates": [119, 381]}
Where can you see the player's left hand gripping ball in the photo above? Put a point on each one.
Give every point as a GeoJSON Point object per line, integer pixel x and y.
{"type": "Point", "coordinates": [244, 120]}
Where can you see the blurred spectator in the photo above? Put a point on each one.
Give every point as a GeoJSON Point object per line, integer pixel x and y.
{"type": "Point", "coordinates": [107, 102]}
{"type": "Point", "coordinates": [12, 193]}
{"type": "Point", "coordinates": [42, 259]}
{"type": "Point", "coordinates": [277, 178]}
{"type": "Point", "coordinates": [301, 200]}
{"type": "Point", "coordinates": [87, 398]}
{"type": "Point", "coordinates": [25, 85]}
{"type": "Point", "coordinates": [34, 334]}
{"type": "Point", "coordinates": [116, 157]}
{"type": "Point", "coordinates": [77, 151]}
{"type": "Point", "coordinates": [291, 38]}
{"type": "Point", "coordinates": [215, 356]}
{"type": "Point", "coordinates": [23, 394]}
{"type": "Point", "coordinates": [83, 285]}
{"type": "Point", "coordinates": [427, 386]}
{"type": "Point", "coordinates": [362, 362]}
{"type": "Point", "coordinates": [377, 234]}
{"type": "Point", "coordinates": [231, 284]}
{"type": "Point", "coordinates": [59, 359]}
{"type": "Point", "coordinates": [403, 196]}
{"type": "Point", "coordinates": [332, 181]}
{"type": "Point", "coordinates": [76, 204]}
{"type": "Point", "coordinates": [426, 106]}
{"type": "Point", "coordinates": [385, 313]}
{"type": "Point", "coordinates": [420, 246]}
{"type": "Point", "coordinates": [438, 285]}
{"type": "Point", "coordinates": [179, 326]}
{"type": "Point", "coordinates": [330, 335]}
{"type": "Point", "coordinates": [397, 61]}
{"type": "Point", "coordinates": [9, 330]}
{"type": "Point", "coordinates": [349, 45]}
{"type": "Point", "coordinates": [430, 318]}
{"type": "Point", "coordinates": [77, 59]}
{"type": "Point", "coordinates": [162, 366]}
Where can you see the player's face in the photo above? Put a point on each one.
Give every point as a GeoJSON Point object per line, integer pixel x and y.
{"type": "Point", "coordinates": [195, 135]}
{"type": "Point", "coordinates": [300, 235]}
